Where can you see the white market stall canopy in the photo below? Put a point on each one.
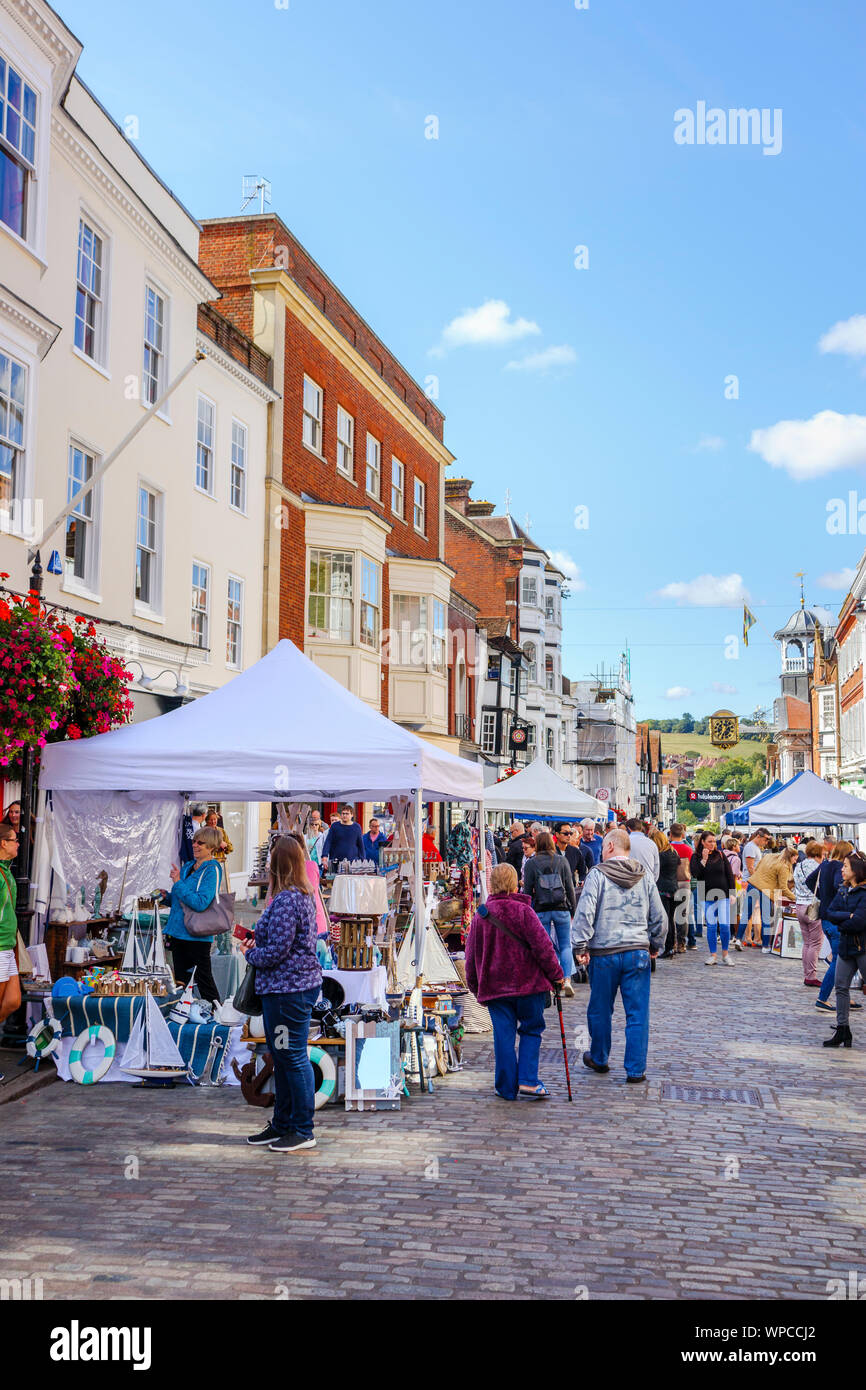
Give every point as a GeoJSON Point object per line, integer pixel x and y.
{"type": "Point", "coordinates": [808, 800]}
{"type": "Point", "coordinates": [282, 730]}
{"type": "Point", "coordinates": [539, 791]}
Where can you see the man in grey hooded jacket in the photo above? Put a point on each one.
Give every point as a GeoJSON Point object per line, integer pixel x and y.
{"type": "Point", "coordinates": [620, 925]}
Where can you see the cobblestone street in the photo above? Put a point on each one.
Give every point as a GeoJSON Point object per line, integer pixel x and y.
{"type": "Point", "coordinates": [629, 1193]}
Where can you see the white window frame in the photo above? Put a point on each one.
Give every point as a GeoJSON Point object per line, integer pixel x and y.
{"type": "Point", "coordinates": [239, 623]}
{"type": "Point", "coordinates": [412, 638]}
{"type": "Point", "coordinates": [327, 631]}
{"type": "Point", "coordinates": [488, 732]}
{"type": "Point", "coordinates": [203, 400]}
{"type": "Point", "coordinates": [150, 607]}
{"type": "Point", "coordinates": [376, 469]}
{"type": "Point", "coordinates": [239, 432]}
{"type": "Point", "coordinates": [11, 517]}
{"type": "Point", "coordinates": [438, 636]}
{"type": "Point", "coordinates": [370, 602]}
{"type": "Point", "coordinates": [162, 376]}
{"type": "Point", "coordinates": [345, 442]}
{"type": "Point", "coordinates": [399, 469]}
{"type": "Point", "coordinates": [18, 155]}
{"type": "Point", "coordinates": [99, 357]}
{"type": "Point", "coordinates": [419, 506]}
{"type": "Point", "coordinates": [529, 590]}
{"type": "Point", "coordinates": [86, 585]}
{"type": "Point", "coordinates": [312, 426]}
{"type": "Point", "coordinates": [196, 610]}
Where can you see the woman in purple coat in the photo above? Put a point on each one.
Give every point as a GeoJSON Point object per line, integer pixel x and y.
{"type": "Point", "coordinates": [289, 980]}
{"type": "Point", "coordinates": [510, 966]}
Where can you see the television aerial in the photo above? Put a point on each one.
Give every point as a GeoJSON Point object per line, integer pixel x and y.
{"type": "Point", "coordinates": [256, 186]}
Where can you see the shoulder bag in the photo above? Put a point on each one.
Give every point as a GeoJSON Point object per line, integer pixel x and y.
{"type": "Point", "coordinates": [217, 917]}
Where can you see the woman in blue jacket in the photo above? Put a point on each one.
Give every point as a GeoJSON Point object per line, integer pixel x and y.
{"type": "Point", "coordinates": [825, 883]}
{"type": "Point", "coordinates": [847, 912]}
{"type": "Point", "coordinates": [195, 886]}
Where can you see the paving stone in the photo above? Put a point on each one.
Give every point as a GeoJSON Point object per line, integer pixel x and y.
{"type": "Point", "coordinates": [624, 1193]}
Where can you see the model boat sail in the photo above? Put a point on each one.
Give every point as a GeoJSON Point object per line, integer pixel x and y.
{"type": "Point", "coordinates": [151, 1050]}
{"type": "Point", "coordinates": [140, 956]}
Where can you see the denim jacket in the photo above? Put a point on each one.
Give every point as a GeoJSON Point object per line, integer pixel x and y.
{"type": "Point", "coordinates": [619, 910]}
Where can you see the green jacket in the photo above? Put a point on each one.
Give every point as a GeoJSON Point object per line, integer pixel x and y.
{"type": "Point", "coordinates": [8, 919]}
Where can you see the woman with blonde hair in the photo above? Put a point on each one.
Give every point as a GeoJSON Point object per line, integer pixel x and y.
{"type": "Point", "coordinates": [288, 979]}
{"type": "Point", "coordinates": [510, 966]}
{"type": "Point", "coordinates": [195, 885]}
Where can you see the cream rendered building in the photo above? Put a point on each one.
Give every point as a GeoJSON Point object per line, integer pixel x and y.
{"type": "Point", "coordinates": [99, 313]}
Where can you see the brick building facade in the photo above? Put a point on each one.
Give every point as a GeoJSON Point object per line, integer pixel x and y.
{"type": "Point", "coordinates": [354, 565]}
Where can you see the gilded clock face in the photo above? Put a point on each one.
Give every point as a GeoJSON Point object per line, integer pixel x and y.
{"type": "Point", "coordinates": [724, 730]}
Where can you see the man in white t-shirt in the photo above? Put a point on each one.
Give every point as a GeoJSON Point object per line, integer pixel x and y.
{"type": "Point", "coordinates": [642, 847]}
{"type": "Point", "coordinates": [751, 855]}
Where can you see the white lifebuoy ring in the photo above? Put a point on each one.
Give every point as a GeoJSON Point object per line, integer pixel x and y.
{"type": "Point", "coordinates": [327, 1069]}
{"type": "Point", "coordinates": [44, 1037]}
{"type": "Point", "coordinates": [96, 1033]}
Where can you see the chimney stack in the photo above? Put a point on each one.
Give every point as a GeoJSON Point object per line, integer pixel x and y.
{"type": "Point", "coordinates": [457, 494]}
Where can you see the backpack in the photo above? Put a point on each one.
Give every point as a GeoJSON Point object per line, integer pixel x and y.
{"type": "Point", "coordinates": [549, 893]}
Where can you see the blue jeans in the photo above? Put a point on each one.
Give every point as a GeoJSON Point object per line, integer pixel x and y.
{"type": "Point", "coordinates": [751, 900]}
{"type": "Point", "coordinates": [698, 912]}
{"type": "Point", "coordinates": [523, 1015]}
{"type": "Point", "coordinates": [829, 979]}
{"type": "Point", "coordinates": [718, 915]}
{"type": "Point", "coordinates": [287, 1029]}
{"type": "Point", "coordinates": [628, 972]}
{"type": "Point", "coordinates": [560, 920]}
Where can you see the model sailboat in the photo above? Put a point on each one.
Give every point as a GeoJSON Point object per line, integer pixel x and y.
{"type": "Point", "coordinates": [142, 956]}
{"type": "Point", "coordinates": [152, 1052]}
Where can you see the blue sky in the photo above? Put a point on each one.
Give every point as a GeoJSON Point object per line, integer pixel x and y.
{"type": "Point", "coordinates": [706, 261]}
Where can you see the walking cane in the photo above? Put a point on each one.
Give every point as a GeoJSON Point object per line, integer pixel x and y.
{"type": "Point", "coordinates": [564, 1044]}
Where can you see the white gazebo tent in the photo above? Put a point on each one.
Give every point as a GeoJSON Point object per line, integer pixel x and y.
{"type": "Point", "coordinates": [808, 800]}
{"type": "Point", "coordinates": [283, 730]}
{"type": "Point", "coordinates": [539, 791]}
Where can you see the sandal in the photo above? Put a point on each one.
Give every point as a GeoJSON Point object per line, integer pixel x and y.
{"type": "Point", "coordinates": [540, 1093]}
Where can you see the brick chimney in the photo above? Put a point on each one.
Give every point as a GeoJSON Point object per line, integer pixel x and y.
{"type": "Point", "coordinates": [480, 508]}
{"type": "Point", "coordinates": [457, 493]}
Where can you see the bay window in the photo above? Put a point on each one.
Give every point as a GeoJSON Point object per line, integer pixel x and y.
{"type": "Point", "coordinates": [330, 603]}
{"type": "Point", "coordinates": [439, 637]}
{"type": "Point", "coordinates": [370, 603]}
{"type": "Point", "coordinates": [409, 620]}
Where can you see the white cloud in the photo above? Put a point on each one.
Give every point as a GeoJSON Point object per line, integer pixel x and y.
{"type": "Point", "coordinates": [810, 448]}
{"type": "Point", "coordinates": [722, 689]}
{"type": "Point", "coordinates": [710, 442]}
{"type": "Point", "coordinates": [564, 562]}
{"type": "Point", "coordinates": [490, 324]}
{"type": "Point", "coordinates": [677, 692]}
{"type": "Point", "coordinates": [542, 361]}
{"type": "Point", "coordinates": [837, 579]}
{"type": "Point", "coordinates": [848, 336]}
{"type": "Point", "coordinates": [708, 590]}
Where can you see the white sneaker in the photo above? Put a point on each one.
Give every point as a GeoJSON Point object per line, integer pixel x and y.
{"type": "Point", "coordinates": [710, 960]}
{"type": "Point", "coordinates": [765, 950]}
{"type": "Point", "coordinates": [726, 960]}
{"type": "Point", "coordinates": [738, 945]}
